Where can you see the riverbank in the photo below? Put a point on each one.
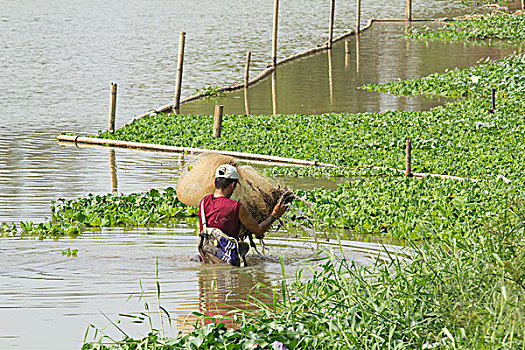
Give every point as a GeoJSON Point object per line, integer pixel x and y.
{"type": "Point", "coordinates": [455, 291]}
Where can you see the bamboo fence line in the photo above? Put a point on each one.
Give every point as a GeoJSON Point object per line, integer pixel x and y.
{"type": "Point", "coordinates": [175, 149]}
{"type": "Point", "coordinates": [258, 158]}
{"type": "Point", "coordinates": [268, 71]}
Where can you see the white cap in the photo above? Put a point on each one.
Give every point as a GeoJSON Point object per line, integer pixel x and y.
{"type": "Point", "coordinates": [227, 171]}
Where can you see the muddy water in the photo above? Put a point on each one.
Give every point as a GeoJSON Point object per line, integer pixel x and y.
{"type": "Point", "coordinates": [48, 299]}
{"type": "Point", "coordinates": [56, 61]}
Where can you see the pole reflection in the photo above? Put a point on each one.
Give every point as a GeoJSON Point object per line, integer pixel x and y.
{"type": "Point", "coordinates": [113, 171]}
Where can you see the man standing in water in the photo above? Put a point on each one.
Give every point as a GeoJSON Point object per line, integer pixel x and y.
{"type": "Point", "coordinates": [220, 220]}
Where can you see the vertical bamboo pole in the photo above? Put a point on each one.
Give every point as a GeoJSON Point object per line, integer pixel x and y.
{"type": "Point", "coordinates": [274, 38]}
{"type": "Point", "coordinates": [493, 97]}
{"type": "Point", "coordinates": [113, 171]}
{"type": "Point", "coordinates": [330, 77]}
{"type": "Point", "coordinates": [217, 123]}
{"type": "Point", "coordinates": [246, 102]}
{"type": "Point", "coordinates": [274, 92]}
{"type": "Point", "coordinates": [522, 5]}
{"type": "Point", "coordinates": [112, 107]}
{"type": "Point", "coordinates": [178, 85]}
{"type": "Point", "coordinates": [247, 69]}
{"type": "Point", "coordinates": [331, 31]}
{"type": "Point", "coordinates": [358, 19]}
{"type": "Point", "coordinates": [408, 171]}
{"type": "Point", "coordinates": [409, 10]}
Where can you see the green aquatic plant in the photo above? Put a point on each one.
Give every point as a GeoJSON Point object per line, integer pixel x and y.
{"type": "Point", "coordinates": [70, 252]}
{"type": "Point", "coordinates": [210, 91]}
{"type": "Point", "coordinates": [493, 26]}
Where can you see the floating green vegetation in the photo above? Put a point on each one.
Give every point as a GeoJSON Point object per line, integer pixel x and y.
{"type": "Point", "coordinates": [329, 172]}
{"type": "Point", "coordinates": [70, 217]}
{"type": "Point", "coordinates": [498, 26]}
{"type": "Point", "coordinates": [444, 294]}
{"type": "Point", "coordinates": [210, 91]}
{"type": "Point", "coordinates": [407, 208]}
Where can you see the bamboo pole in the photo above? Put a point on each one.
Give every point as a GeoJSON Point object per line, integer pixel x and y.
{"type": "Point", "coordinates": [274, 92]}
{"type": "Point", "coordinates": [409, 10]}
{"type": "Point", "coordinates": [358, 19]}
{"type": "Point", "coordinates": [217, 123]}
{"type": "Point", "coordinates": [246, 102]}
{"type": "Point", "coordinates": [178, 85]}
{"type": "Point", "coordinates": [95, 142]}
{"type": "Point", "coordinates": [493, 97]}
{"type": "Point", "coordinates": [408, 170]}
{"type": "Point", "coordinates": [112, 107]}
{"type": "Point", "coordinates": [247, 69]}
{"type": "Point", "coordinates": [330, 77]}
{"type": "Point", "coordinates": [522, 5]}
{"type": "Point", "coordinates": [331, 31]}
{"type": "Point", "coordinates": [274, 38]}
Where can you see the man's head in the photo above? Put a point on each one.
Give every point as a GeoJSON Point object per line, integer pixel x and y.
{"type": "Point", "coordinates": [225, 175]}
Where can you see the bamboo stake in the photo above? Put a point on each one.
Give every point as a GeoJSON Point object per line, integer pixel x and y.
{"type": "Point", "coordinates": [358, 19]}
{"type": "Point", "coordinates": [178, 86]}
{"type": "Point", "coordinates": [274, 92]}
{"type": "Point", "coordinates": [247, 69]}
{"type": "Point", "coordinates": [409, 10]}
{"type": "Point", "coordinates": [522, 5]}
{"type": "Point", "coordinates": [274, 39]}
{"type": "Point", "coordinates": [112, 107]}
{"type": "Point", "coordinates": [331, 31]}
{"type": "Point", "coordinates": [246, 102]}
{"type": "Point", "coordinates": [493, 97]}
{"type": "Point", "coordinates": [408, 171]}
{"type": "Point", "coordinates": [330, 77]}
{"type": "Point", "coordinates": [217, 123]}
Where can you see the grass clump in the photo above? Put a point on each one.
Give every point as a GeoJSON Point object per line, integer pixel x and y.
{"type": "Point", "coordinates": [444, 294]}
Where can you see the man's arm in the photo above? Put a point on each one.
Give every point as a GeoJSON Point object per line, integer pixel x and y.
{"type": "Point", "coordinates": [259, 229]}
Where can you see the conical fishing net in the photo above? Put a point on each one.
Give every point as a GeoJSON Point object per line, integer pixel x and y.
{"type": "Point", "coordinates": [258, 194]}
{"type": "Point", "coordinates": [197, 178]}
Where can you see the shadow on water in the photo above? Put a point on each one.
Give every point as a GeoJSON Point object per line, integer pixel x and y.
{"type": "Point", "coordinates": [328, 81]}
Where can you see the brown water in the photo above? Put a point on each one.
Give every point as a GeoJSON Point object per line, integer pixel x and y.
{"type": "Point", "coordinates": [56, 61]}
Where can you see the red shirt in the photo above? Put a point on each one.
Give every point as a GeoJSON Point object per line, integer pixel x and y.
{"type": "Point", "coordinates": [221, 213]}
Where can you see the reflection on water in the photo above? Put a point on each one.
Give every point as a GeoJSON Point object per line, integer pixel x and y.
{"type": "Point", "coordinates": [328, 81]}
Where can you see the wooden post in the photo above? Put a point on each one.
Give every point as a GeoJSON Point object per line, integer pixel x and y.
{"type": "Point", "coordinates": [274, 40]}
{"type": "Point", "coordinates": [522, 5]}
{"type": "Point", "coordinates": [246, 102]}
{"type": "Point", "coordinates": [217, 124]}
{"type": "Point", "coordinates": [358, 19]}
{"type": "Point", "coordinates": [274, 92]}
{"type": "Point", "coordinates": [408, 171]}
{"type": "Point", "coordinates": [409, 10]}
{"type": "Point", "coordinates": [493, 96]}
{"type": "Point", "coordinates": [330, 77]}
{"type": "Point", "coordinates": [112, 107]}
{"type": "Point", "coordinates": [357, 54]}
{"type": "Point", "coordinates": [178, 85]}
{"type": "Point", "coordinates": [247, 69]}
{"type": "Point", "coordinates": [331, 31]}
